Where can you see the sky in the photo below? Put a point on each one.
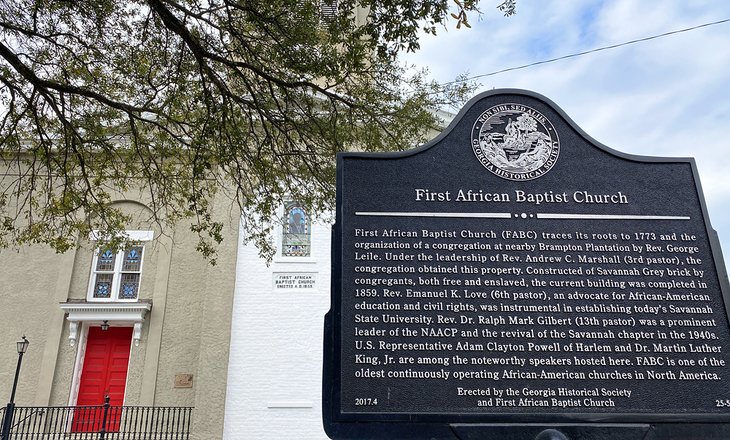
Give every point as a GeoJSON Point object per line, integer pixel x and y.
{"type": "Point", "coordinates": [667, 97]}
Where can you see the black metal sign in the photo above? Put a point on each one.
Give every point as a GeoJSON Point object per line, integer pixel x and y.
{"type": "Point", "coordinates": [515, 271]}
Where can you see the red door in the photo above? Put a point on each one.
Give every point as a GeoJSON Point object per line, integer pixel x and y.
{"type": "Point", "coordinates": [104, 373]}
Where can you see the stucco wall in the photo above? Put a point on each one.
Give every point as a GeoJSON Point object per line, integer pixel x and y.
{"type": "Point", "coordinates": [187, 330]}
{"type": "Point", "coordinates": [30, 281]}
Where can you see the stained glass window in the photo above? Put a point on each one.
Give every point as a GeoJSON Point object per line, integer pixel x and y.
{"type": "Point", "coordinates": [105, 262]}
{"type": "Point", "coordinates": [129, 286]}
{"type": "Point", "coordinates": [116, 275]}
{"type": "Point", "coordinates": [296, 234]}
{"type": "Point", "coordinates": [132, 259]}
{"type": "Point", "coordinates": [103, 285]}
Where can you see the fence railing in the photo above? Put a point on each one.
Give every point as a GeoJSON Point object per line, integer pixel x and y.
{"type": "Point", "coordinates": [103, 422]}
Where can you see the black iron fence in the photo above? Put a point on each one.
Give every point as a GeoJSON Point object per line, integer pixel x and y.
{"type": "Point", "coordinates": [103, 422]}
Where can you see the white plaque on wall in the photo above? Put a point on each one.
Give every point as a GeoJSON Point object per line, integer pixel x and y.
{"type": "Point", "coordinates": [295, 281]}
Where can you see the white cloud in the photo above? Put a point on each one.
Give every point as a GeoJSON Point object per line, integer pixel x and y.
{"type": "Point", "coordinates": [664, 97]}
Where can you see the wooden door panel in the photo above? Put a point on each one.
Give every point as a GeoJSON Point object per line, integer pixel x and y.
{"type": "Point", "coordinates": [104, 373]}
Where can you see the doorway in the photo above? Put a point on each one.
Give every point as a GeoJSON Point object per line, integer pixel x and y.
{"type": "Point", "coordinates": [104, 373]}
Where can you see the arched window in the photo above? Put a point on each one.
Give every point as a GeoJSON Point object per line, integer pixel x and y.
{"type": "Point", "coordinates": [296, 233]}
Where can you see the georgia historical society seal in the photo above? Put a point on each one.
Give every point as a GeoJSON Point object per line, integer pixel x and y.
{"type": "Point", "coordinates": [515, 142]}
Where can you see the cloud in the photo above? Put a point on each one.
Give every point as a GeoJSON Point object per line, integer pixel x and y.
{"type": "Point", "coordinates": [664, 97]}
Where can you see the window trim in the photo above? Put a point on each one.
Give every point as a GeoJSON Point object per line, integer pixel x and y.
{"type": "Point", "coordinates": [131, 235]}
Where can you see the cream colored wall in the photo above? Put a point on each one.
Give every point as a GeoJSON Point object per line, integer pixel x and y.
{"type": "Point", "coordinates": [61, 391]}
{"type": "Point", "coordinates": [30, 281]}
{"type": "Point", "coordinates": [186, 331]}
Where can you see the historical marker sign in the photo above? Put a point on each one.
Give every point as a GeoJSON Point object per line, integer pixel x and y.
{"type": "Point", "coordinates": [516, 271]}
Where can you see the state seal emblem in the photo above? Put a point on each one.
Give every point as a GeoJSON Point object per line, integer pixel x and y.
{"type": "Point", "coordinates": [515, 142]}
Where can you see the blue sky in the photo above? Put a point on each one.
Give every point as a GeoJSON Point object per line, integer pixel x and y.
{"type": "Point", "coordinates": [666, 97]}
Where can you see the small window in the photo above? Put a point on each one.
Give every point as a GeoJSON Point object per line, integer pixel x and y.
{"type": "Point", "coordinates": [328, 10]}
{"type": "Point", "coordinates": [296, 233]}
{"type": "Point", "coordinates": [116, 275]}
